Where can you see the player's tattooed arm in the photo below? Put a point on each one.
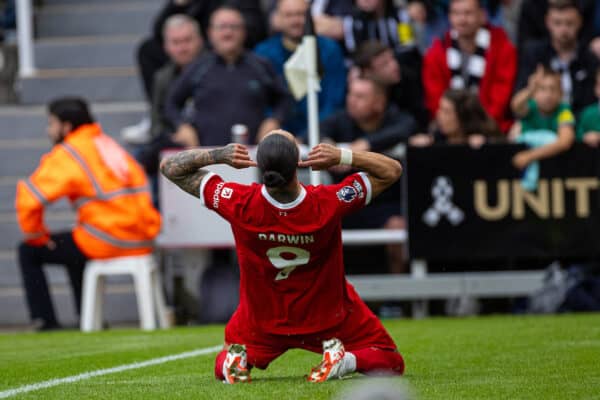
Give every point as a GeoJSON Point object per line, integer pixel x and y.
{"type": "Point", "coordinates": [185, 168]}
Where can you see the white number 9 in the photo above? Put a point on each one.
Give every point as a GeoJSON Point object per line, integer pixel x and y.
{"type": "Point", "coordinates": [287, 266]}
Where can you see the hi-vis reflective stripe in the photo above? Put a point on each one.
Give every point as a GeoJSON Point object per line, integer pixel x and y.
{"type": "Point", "coordinates": [71, 150]}
{"type": "Point", "coordinates": [34, 190]}
{"type": "Point", "coordinates": [123, 243]}
{"type": "Point", "coordinates": [111, 195]}
{"type": "Point", "coordinates": [100, 194]}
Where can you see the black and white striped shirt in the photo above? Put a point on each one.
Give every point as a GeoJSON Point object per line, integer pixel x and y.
{"type": "Point", "coordinates": [393, 30]}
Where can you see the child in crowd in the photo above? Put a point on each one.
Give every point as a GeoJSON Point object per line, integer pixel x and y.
{"type": "Point", "coordinates": [588, 128]}
{"type": "Point", "coordinates": [547, 124]}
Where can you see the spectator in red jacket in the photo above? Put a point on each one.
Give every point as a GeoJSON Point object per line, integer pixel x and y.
{"type": "Point", "coordinates": [472, 55]}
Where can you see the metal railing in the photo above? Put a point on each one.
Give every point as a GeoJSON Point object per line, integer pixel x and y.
{"type": "Point", "coordinates": [25, 38]}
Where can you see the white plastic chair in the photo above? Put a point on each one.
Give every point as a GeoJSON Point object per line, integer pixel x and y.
{"type": "Point", "coordinates": [150, 299]}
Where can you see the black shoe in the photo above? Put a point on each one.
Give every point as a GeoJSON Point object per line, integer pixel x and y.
{"type": "Point", "coordinates": [40, 325]}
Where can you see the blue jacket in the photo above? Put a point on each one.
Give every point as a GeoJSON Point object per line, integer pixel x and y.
{"type": "Point", "coordinates": [333, 84]}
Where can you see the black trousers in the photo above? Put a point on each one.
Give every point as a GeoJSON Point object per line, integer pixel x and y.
{"type": "Point", "coordinates": [31, 261]}
{"type": "Point", "coordinates": [151, 57]}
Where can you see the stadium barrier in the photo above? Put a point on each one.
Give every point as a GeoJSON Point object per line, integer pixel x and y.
{"type": "Point", "coordinates": [467, 204]}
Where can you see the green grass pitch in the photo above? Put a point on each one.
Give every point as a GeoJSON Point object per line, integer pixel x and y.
{"type": "Point", "coordinates": [504, 357]}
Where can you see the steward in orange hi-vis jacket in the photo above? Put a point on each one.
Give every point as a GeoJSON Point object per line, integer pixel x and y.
{"type": "Point", "coordinates": [106, 186]}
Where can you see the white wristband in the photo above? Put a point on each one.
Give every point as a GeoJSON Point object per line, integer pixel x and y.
{"type": "Point", "coordinates": [346, 157]}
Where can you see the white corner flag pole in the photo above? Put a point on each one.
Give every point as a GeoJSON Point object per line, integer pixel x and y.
{"type": "Point", "coordinates": [312, 100]}
{"type": "Point", "coordinates": [301, 74]}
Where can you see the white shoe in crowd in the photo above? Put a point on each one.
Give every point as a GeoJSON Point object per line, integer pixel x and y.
{"type": "Point", "coordinates": [138, 133]}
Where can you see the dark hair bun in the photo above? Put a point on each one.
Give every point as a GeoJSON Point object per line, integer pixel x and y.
{"type": "Point", "coordinates": [277, 158]}
{"type": "Point", "coordinates": [273, 179]}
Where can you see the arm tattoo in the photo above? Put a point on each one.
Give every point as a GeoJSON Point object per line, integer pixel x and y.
{"type": "Point", "coordinates": [184, 168]}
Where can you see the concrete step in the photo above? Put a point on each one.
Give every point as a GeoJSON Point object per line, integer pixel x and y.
{"type": "Point", "coordinates": [97, 85]}
{"type": "Point", "coordinates": [86, 52]}
{"type": "Point", "coordinates": [97, 18]}
{"type": "Point", "coordinates": [29, 122]}
{"type": "Point", "coordinates": [8, 187]}
{"type": "Point", "coordinates": [7, 193]}
{"type": "Point", "coordinates": [10, 232]}
{"type": "Point", "coordinates": [20, 162]}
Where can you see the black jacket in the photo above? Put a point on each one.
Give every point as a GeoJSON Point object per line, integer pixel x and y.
{"type": "Point", "coordinates": [407, 95]}
{"type": "Point", "coordinates": [396, 127]}
{"type": "Point", "coordinates": [532, 25]}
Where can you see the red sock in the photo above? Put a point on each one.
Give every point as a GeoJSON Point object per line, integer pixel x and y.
{"type": "Point", "coordinates": [219, 365]}
{"type": "Point", "coordinates": [374, 360]}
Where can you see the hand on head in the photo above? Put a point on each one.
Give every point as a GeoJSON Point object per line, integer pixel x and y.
{"type": "Point", "coordinates": [322, 156]}
{"type": "Point", "coordinates": [237, 156]}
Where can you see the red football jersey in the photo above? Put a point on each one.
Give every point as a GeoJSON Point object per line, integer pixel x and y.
{"type": "Point", "coordinates": [291, 266]}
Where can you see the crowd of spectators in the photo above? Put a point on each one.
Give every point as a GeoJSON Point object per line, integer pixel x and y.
{"type": "Point", "coordinates": [413, 71]}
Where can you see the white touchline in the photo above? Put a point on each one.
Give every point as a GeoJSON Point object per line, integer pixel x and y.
{"type": "Point", "coordinates": [99, 372]}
